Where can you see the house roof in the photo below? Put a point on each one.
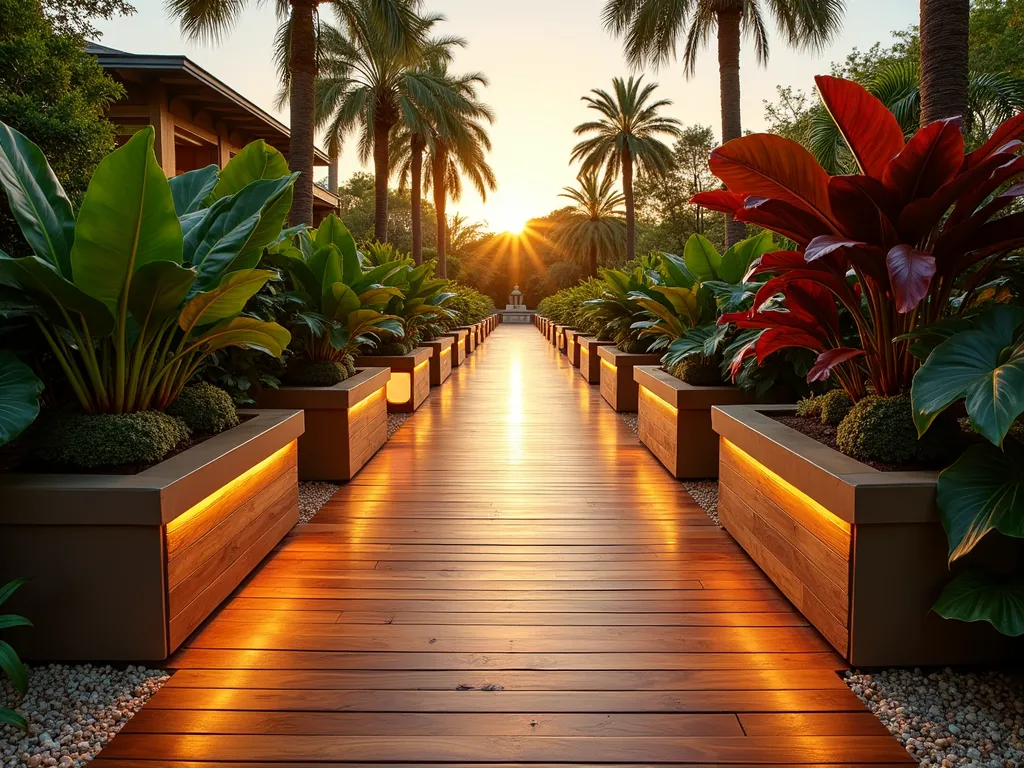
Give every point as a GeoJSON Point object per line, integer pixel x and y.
{"type": "Point", "coordinates": [190, 81]}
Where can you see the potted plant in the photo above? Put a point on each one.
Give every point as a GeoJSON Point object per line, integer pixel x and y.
{"type": "Point", "coordinates": [419, 305]}
{"type": "Point", "coordinates": [845, 518]}
{"type": "Point", "coordinates": [338, 313]}
{"type": "Point", "coordinates": [136, 467]}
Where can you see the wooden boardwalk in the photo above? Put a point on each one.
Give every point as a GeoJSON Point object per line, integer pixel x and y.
{"type": "Point", "coordinates": [513, 579]}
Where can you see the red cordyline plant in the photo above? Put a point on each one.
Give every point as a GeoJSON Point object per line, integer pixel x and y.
{"type": "Point", "coordinates": [921, 224]}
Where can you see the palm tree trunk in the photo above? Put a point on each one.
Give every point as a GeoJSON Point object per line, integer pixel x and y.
{"type": "Point", "coordinates": [439, 164]}
{"type": "Point", "coordinates": [418, 145]}
{"type": "Point", "coordinates": [627, 193]}
{"type": "Point", "coordinates": [729, 86]}
{"type": "Point", "coordinates": [592, 258]}
{"type": "Point", "coordinates": [944, 36]}
{"type": "Point", "coordinates": [302, 72]}
{"type": "Point", "coordinates": [381, 173]}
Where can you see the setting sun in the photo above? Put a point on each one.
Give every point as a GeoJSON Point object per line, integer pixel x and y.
{"type": "Point", "coordinates": [512, 219]}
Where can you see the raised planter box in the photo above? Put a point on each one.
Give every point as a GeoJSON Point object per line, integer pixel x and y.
{"type": "Point", "coordinates": [471, 342]}
{"type": "Point", "coordinates": [345, 424]}
{"type": "Point", "coordinates": [410, 377]}
{"type": "Point", "coordinates": [861, 553]}
{"type": "Point", "coordinates": [441, 360]}
{"type": "Point", "coordinates": [125, 567]}
{"type": "Point", "coordinates": [675, 421]}
{"type": "Point", "coordinates": [572, 346]}
{"type": "Point", "coordinates": [560, 338]}
{"type": "Point", "coordinates": [458, 337]}
{"type": "Point", "coordinates": [618, 388]}
{"type": "Point", "coordinates": [590, 363]}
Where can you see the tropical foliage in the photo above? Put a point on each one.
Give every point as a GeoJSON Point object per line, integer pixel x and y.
{"type": "Point", "coordinates": [151, 277]}
{"type": "Point", "coordinates": [10, 664]}
{"type": "Point", "coordinates": [593, 230]}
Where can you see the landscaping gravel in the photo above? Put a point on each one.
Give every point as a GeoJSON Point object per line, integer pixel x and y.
{"type": "Point", "coordinates": [312, 496]}
{"type": "Point", "coordinates": [704, 492]}
{"type": "Point", "coordinates": [73, 711]}
{"type": "Point", "coordinates": [949, 719]}
{"type": "Point", "coordinates": [395, 421]}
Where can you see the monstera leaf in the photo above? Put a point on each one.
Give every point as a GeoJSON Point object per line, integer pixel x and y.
{"type": "Point", "coordinates": [981, 492]}
{"type": "Point", "coordinates": [19, 396]}
{"type": "Point", "coordinates": [980, 596]}
{"type": "Point", "coordinates": [983, 366]}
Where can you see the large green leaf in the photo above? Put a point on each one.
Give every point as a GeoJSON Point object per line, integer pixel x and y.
{"type": "Point", "coordinates": [737, 260]}
{"type": "Point", "coordinates": [982, 491]}
{"type": "Point", "coordinates": [235, 234]}
{"type": "Point", "coordinates": [10, 717]}
{"type": "Point", "coordinates": [247, 332]}
{"type": "Point", "coordinates": [701, 257]}
{"type": "Point", "coordinates": [10, 588]}
{"type": "Point", "coordinates": [43, 283]}
{"type": "Point", "coordinates": [343, 301]}
{"type": "Point", "coordinates": [12, 667]}
{"type": "Point", "coordinates": [257, 160]}
{"type": "Point", "coordinates": [732, 297]}
{"type": "Point", "coordinates": [37, 199]}
{"type": "Point", "coordinates": [225, 301]}
{"type": "Point", "coordinates": [158, 289]}
{"type": "Point", "coordinates": [191, 189]}
{"type": "Point", "coordinates": [127, 220]}
{"type": "Point", "coordinates": [332, 231]}
{"type": "Point", "coordinates": [985, 366]}
{"type": "Point", "coordinates": [979, 596]}
{"type": "Point", "coordinates": [19, 396]}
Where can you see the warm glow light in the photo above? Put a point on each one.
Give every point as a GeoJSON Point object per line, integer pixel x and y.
{"type": "Point", "coordinates": [800, 499]}
{"type": "Point", "coordinates": [512, 219]}
{"type": "Point", "coordinates": [284, 455]}
{"type": "Point", "coordinates": [611, 368]}
{"type": "Point", "coordinates": [399, 388]}
{"type": "Point", "coordinates": [354, 409]}
{"type": "Point", "coordinates": [654, 401]}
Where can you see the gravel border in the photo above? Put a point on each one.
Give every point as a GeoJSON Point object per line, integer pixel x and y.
{"type": "Point", "coordinates": [73, 711]}
{"type": "Point", "coordinates": [704, 492]}
{"type": "Point", "coordinates": [395, 422]}
{"type": "Point", "coordinates": [313, 494]}
{"type": "Point", "coordinates": [946, 718]}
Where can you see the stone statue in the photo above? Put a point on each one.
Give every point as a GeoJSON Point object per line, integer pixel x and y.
{"type": "Point", "coordinates": [515, 299]}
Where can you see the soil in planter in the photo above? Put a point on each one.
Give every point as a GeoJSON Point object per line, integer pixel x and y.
{"type": "Point", "coordinates": [14, 459]}
{"type": "Point", "coordinates": [826, 435]}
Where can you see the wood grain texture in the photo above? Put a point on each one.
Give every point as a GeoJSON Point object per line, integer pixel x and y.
{"type": "Point", "coordinates": [513, 579]}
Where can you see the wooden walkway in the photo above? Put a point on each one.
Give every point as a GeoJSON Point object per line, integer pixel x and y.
{"type": "Point", "coordinates": [513, 579]}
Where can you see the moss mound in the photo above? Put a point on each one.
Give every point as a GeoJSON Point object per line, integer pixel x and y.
{"type": "Point", "coordinates": [205, 408]}
{"type": "Point", "coordinates": [879, 429]}
{"type": "Point", "coordinates": [632, 345]}
{"type": "Point", "coordinates": [317, 373]}
{"type": "Point", "coordinates": [698, 373]}
{"type": "Point", "coordinates": [107, 440]}
{"type": "Point", "coordinates": [834, 407]}
{"type": "Point", "coordinates": [393, 349]}
{"type": "Point", "coordinates": [809, 407]}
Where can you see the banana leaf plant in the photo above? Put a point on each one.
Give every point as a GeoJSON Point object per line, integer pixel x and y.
{"type": "Point", "coordinates": [20, 390]}
{"type": "Point", "coordinates": [10, 664]}
{"type": "Point", "coordinates": [618, 308]}
{"type": "Point", "coordinates": [421, 298]}
{"type": "Point", "coordinates": [343, 304]}
{"type": "Point", "coordinates": [983, 491]}
{"type": "Point", "coordinates": [898, 246]}
{"type": "Point", "coordinates": [151, 277]}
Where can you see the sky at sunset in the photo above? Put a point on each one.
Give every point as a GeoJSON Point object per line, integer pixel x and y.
{"type": "Point", "coordinates": [540, 56]}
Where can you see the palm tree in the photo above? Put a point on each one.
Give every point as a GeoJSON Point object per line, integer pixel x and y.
{"type": "Point", "coordinates": [944, 78]}
{"type": "Point", "coordinates": [992, 97]}
{"type": "Point", "coordinates": [455, 101]}
{"type": "Point", "coordinates": [368, 85]}
{"type": "Point", "coordinates": [627, 134]}
{"type": "Point", "coordinates": [593, 229]}
{"type": "Point", "coordinates": [211, 20]}
{"type": "Point", "coordinates": [652, 28]}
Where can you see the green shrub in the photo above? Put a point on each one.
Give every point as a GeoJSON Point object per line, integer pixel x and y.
{"type": "Point", "coordinates": [699, 372]}
{"type": "Point", "coordinates": [809, 407]}
{"type": "Point", "coordinates": [392, 349]}
{"type": "Point", "coordinates": [205, 408]}
{"type": "Point", "coordinates": [879, 429]}
{"type": "Point", "coordinates": [317, 373]}
{"type": "Point", "coordinates": [105, 439]}
{"type": "Point", "coordinates": [834, 406]}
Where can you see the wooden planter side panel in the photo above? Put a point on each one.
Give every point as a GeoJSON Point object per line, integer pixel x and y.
{"type": "Point", "coordinates": [794, 541]}
{"type": "Point", "coordinates": [440, 361]}
{"type": "Point", "coordinates": [420, 385]}
{"type": "Point", "coordinates": [215, 545]}
{"type": "Point", "coordinates": [618, 387]}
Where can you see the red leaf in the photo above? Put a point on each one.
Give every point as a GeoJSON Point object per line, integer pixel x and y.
{"type": "Point", "coordinates": [864, 209]}
{"type": "Point", "coordinates": [1011, 130]}
{"type": "Point", "coordinates": [910, 274]}
{"type": "Point", "coordinates": [931, 158]}
{"type": "Point", "coordinates": [737, 362]}
{"type": "Point", "coordinates": [829, 359]}
{"type": "Point", "coordinates": [775, 339]}
{"type": "Point", "coordinates": [721, 200]}
{"type": "Point", "coordinates": [774, 167]}
{"type": "Point", "coordinates": [810, 297]}
{"type": "Point", "coordinates": [1004, 168]}
{"type": "Point", "coordinates": [779, 261]}
{"type": "Point", "coordinates": [837, 252]}
{"type": "Point", "coordinates": [783, 218]}
{"type": "Point", "coordinates": [871, 131]}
